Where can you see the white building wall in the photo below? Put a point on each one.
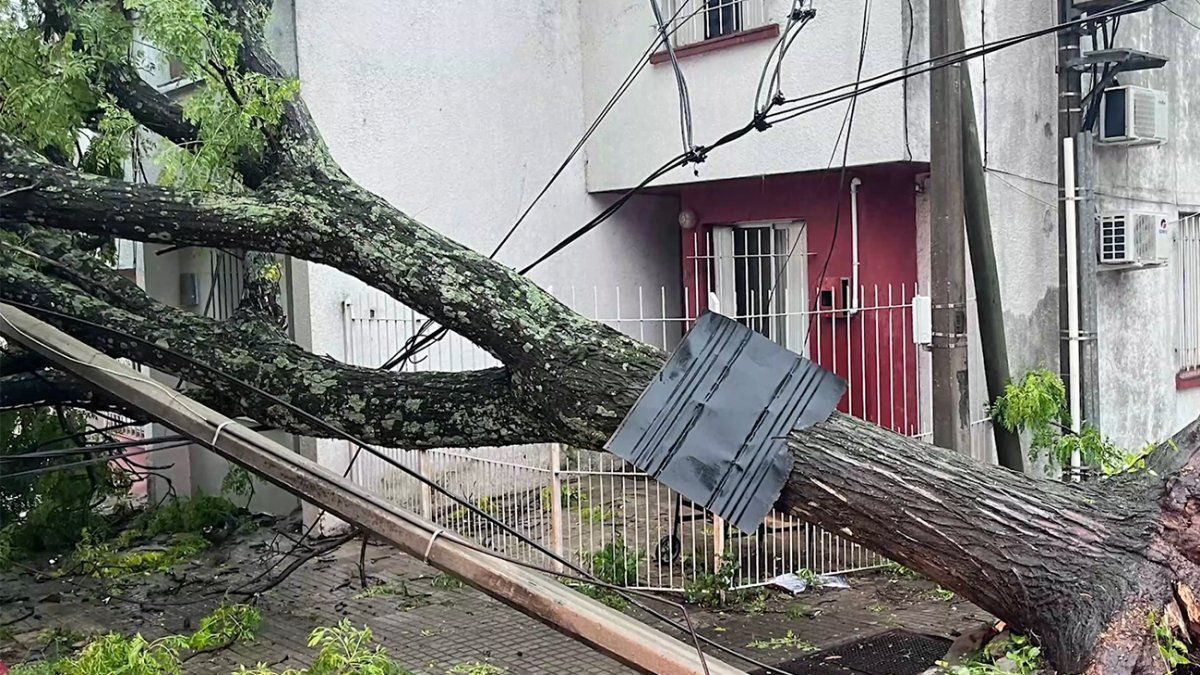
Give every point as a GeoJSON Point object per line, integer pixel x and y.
{"type": "Point", "coordinates": [642, 131]}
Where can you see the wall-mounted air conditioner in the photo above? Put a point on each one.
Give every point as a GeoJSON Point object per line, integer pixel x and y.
{"type": "Point", "coordinates": [1133, 239]}
{"type": "Point", "coordinates": [1133, 116]}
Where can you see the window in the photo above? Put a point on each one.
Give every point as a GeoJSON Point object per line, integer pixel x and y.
{"type": "Point", "coordinates": [1187, 275]}
{"type": "Point", "coordinates": [722, 17]}
{"type": "Point", "coordinates": [699, 20]}
{"type": "Point", "coordinates": [760, 278]}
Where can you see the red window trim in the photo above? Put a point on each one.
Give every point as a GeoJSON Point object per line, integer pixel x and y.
{"type": "Point", "coordinates": [1187, 379]}
{"type": "Point", "coordinates": [767, 32]}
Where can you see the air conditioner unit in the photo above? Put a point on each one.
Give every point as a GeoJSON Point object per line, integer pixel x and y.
{"type": "Point", "coordinates": [1133, 239]}
{"type": "Point", "coordinates": [1133, 116]}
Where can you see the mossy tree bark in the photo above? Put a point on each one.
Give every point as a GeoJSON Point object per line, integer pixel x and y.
{"type": "Point", "coordinates": [1079, 567]}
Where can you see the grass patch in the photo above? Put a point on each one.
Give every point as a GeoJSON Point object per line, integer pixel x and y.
{"type": "Point", "coordinates": [788, 641]}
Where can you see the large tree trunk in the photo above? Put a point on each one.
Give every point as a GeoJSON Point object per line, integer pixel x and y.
{"type": "Point", "coordinates": [1079, 567]}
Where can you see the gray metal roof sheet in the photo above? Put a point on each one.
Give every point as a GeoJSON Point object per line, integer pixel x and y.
{"type": "Point", "coordinates": [712, 425]}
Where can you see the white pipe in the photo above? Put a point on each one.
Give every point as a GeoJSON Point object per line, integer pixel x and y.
{"type": "Point", "coordinates": [854, 185]}
{"type": "Point", "coordinates": [1069, 201]}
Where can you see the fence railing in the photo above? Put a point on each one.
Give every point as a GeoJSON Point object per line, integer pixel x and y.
{"type": "Point", "coordinates": [578, 503]}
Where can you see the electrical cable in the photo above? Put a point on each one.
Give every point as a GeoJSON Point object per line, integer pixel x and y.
{"type": "Point", "coordinates": [86, 449]}
{"type": "Point", "coordinates": [830, 96]}
{"type": "Point", "coordinates": [88, 462]}
{"type": "Point", "coordinates": [848, 127]}
{"type": "Point", "coordinates": [1182, 18]}
{"type": "Point", "coordinates": [419, 341]}
{"type": "Point", "coordinates": [685, 103]}
{"type": "Point", "coordinates": [337, 432]}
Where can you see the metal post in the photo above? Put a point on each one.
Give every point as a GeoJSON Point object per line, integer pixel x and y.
{"type": "Point", "coordinates": [556, 505]}
{"type": "Point", "coordinates": [951, 406]}
{"type": "Point", "coordinates": [1069, 121]}
{"type": "Point", "coordinates": [426, 489]}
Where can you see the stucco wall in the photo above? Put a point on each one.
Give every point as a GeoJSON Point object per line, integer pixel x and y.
{"type": "Point", "coordinates": [642, 131]}
{"type": "Point", "coordinates": [1017, 120]}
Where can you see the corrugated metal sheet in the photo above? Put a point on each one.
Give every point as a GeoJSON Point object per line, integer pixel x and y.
{"type": "Point", "coordinates": [712, 425]}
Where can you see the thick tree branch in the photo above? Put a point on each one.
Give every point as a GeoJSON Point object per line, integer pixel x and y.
{"type": "Point", "coordinates": [576, 367]}
{"type": "Point", "coordinates": [415, 410]}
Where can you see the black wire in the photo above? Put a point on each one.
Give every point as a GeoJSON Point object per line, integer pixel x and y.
{"type": "Point", "coordinates": [612, 101]}
{"type": "Point", "coordinates": [86, 449]}
{"type": "Point", "coordinates": [945, 60]}
{"type": "Point", "coordinates": [88, 462]}
{"type": "Point", "coordinates": [339, 433]}
{"type": "Point", "coordinates": [419, 341]}
{"type": "Point", "coordinates": [677, 161]}
{"type": "Point", "coordinates": [847, 127]}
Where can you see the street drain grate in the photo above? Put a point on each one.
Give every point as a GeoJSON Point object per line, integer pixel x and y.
{"type": "Point", "coordinates": [895, 652]}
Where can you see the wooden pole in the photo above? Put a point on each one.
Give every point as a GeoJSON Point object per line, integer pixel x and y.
{"type": "Point", "coordinates": [568, 611]}
{"type": "Point", "coordinates": [983, 267]}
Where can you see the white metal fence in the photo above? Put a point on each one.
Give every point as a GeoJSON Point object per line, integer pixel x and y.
{"type": "Point", "coordinates": [578, 502]}
{"type": "Point", "coordinates": [1187, 273]}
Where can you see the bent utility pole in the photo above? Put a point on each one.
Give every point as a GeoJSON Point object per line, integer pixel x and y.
{"type": "Point", "coordinates": [980, 244]}
{"type": "Point", "coordinates": [948, 292]}
{"type": "Point", "coordinates": [570, 612]}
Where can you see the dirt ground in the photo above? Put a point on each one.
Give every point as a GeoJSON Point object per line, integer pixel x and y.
{"type": "Point", "coordinates": [427, 623]}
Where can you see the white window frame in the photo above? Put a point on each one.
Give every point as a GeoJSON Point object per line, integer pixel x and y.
{"type": "Point", "coordinates": [793, 302]}
{"type": "Point", "coordinates": [1186, 264]}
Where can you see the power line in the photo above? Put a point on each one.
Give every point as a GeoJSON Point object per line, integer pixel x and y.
{"type": "Point", "coordinates": [1182, 17]}
{"type": "Point", "coordinates": [362, 445]}
{"type": "Point", "coordinates": [827, 97]}
{"type": "Point", "coordinates": [420, 340]}
{"type": "Point", "coordinates": [88, 462]}
{"type": "Point", "coordinates": [848, 126]}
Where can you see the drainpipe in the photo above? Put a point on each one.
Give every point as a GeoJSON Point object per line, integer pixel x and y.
{"type": "Point", "coordinates": [1072, 254]}
{"type": "Point", "coordinates": [854, 185]}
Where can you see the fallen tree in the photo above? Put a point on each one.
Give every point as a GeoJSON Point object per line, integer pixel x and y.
{"type": "Point", "coordinates": [1087, 570]}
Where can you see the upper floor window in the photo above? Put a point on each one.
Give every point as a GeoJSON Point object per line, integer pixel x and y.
{"type": "Point", "coordinates": [1187, 275]}
{"type": "Point", "coordinates": [700, 20]}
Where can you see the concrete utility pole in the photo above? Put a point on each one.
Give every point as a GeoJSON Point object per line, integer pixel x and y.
{"type": "Point", "coordinates": [565, 609]}
{"type": "Point", "coordinates": [948, 288]}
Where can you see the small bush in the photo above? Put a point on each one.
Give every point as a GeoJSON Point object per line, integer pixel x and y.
{"type": "Point", "coordinates": [615, 563]}
{"type": "Point", "coordinates": [712, 590]}
{"type": "Point", "coordinates": [107, 560]}
{"type": "Point", "coordinates": [196, 514]}
{"type": "Point", "coordinates": [344, 650]}
{"type": "Point", "coordinates": [226, 625]}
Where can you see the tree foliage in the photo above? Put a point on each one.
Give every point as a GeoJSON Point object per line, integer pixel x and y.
{"type": "Point", "coordinates": [49, 509]}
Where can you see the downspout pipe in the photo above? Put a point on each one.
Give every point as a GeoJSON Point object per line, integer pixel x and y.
{"type": "Point", "coordinates": [855, 184]}
{"type": "Point", "coordinates": [1074, 390]}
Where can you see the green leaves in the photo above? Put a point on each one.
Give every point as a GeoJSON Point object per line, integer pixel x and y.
{"type": "Point", "coordinates": [45, 88]}
{"type": "Point", "coordinates": [188, 30]}
{"type": "Point", "coordinates": [1038, 404]}
{"type": "Point", "coordinates": [234, 116]}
